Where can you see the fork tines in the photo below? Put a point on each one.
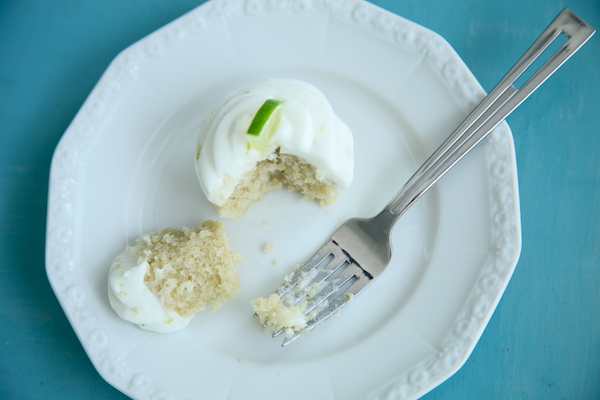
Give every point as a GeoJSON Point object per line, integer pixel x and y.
{"type": "Point", "coordinates": [327, 282]}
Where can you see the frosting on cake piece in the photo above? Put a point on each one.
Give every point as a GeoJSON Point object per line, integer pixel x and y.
{"type": "Point", "coordinates": [167, 277]}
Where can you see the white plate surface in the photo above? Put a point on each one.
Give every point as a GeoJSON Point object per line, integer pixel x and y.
{"type": "Point", "coordinates": [125, 167]}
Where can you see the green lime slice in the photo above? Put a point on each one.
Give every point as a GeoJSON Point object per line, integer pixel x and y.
{"type": "Point", "coordinates": [262, 116]}
{"type": "Point", "coordinates": [263, 125]}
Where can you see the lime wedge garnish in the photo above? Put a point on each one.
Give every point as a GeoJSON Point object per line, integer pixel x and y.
{"type": "Point", "coordinates": [262, 116]}
{"type": "Point", "coordinates": [263, 125]}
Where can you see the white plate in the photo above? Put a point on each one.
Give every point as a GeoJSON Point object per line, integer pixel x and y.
{"type": "Point", "coordinates": [125, 167]}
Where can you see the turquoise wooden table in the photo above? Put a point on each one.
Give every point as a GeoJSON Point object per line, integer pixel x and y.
{"type": "Point", "coordinates": [543, 341]}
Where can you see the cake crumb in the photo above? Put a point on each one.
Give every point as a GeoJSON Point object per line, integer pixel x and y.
{"type": "Point", "coordinates": [276, 261]}
{"type": "Point", "coordinates": [274, 315]}
{"type": "Point", "coordinates": [269, 247]}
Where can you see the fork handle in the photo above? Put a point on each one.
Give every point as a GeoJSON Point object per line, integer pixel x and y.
{"type": "Point", "coordinates": [492, 110]}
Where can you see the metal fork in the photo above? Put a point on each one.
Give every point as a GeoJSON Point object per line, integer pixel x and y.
{"type": "Point", "coordinates": [360, 249]}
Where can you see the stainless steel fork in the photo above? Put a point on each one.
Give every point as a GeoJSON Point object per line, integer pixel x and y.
{"type": "Point", "coordinates": [360, 249]}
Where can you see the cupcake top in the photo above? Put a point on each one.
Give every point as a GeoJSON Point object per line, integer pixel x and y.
{"type": "Point", "coordinates": [287, 116]}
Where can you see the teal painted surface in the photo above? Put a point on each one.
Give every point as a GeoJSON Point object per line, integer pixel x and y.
{"type": "Point", "coordinates": [543, 341]}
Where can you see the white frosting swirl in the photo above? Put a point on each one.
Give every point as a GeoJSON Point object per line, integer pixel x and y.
{"type": "Point", "coordinates": [308, 128]}
{"type": "Point", "coordinates": [133, 301]}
